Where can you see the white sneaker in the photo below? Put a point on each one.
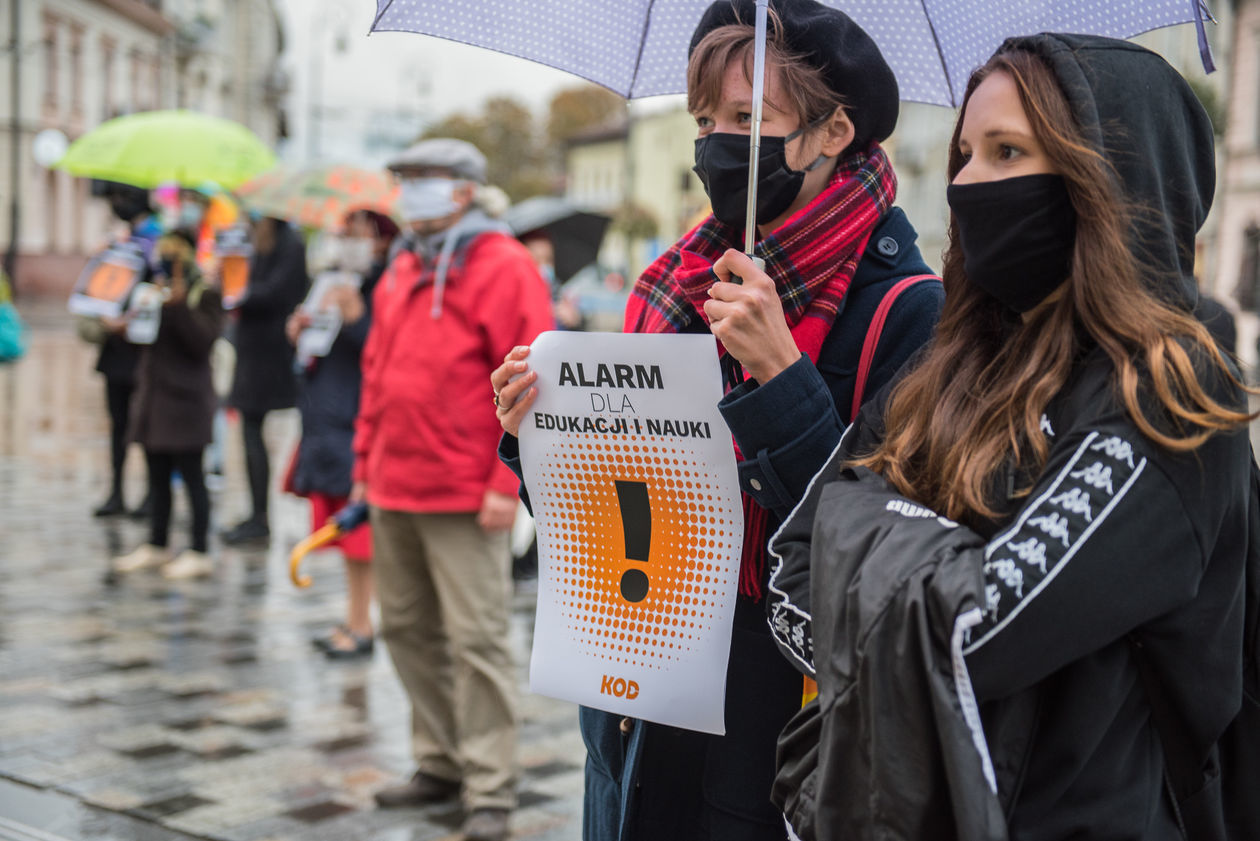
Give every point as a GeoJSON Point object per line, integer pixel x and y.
{"type": "Point", "coordinates": [142, 557]}
{"type": "Point", "coordinates": [189, 564]}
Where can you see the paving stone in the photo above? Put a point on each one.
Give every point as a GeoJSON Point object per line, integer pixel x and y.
{"type": "Point", "coordinates": [198, 711]}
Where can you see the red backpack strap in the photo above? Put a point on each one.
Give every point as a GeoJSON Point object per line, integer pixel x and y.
{"type": "Point", "coordinates": [873, 333]}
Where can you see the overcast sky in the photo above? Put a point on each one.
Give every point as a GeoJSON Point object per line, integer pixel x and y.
{"type": "Point", "coordinates": [393, 68]}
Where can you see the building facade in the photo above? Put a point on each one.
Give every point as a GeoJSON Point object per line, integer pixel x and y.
{"type": "Point", "coordinates": [77, 63]}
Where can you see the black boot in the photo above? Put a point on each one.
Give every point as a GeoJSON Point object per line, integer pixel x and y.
{"type": "Point", "coordinates": [249, 531]}
{"type": "Point", "coordinates": [112, 506]}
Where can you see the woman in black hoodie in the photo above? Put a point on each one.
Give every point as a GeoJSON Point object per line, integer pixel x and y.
{"type": "Point", "coordinates": [1084, 444]}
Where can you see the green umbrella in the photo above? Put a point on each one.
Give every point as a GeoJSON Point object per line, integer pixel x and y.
{"type": "Point", "coordinates": [156, 147]}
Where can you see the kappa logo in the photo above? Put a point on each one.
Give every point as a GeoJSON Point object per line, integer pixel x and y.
{"type": "Point", "coordinates": [1096, 476]}
{"type": "Point", "coordinates": [1117, 448]}
{"type": "Point", "coordinates": [619, 687]}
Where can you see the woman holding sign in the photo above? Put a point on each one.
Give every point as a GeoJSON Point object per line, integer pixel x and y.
{"type": "Point", "coordinates": [328, 400]}
{"type": "Point", "coordinates": [1059, 654]}
{"type": "Point", "coordinates": [174, 407]}
{"type": "Point", "coordinates": [836, 251]}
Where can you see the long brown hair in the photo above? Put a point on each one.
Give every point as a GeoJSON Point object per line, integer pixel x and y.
{"type": "Point", "coordinates": [973, 406]}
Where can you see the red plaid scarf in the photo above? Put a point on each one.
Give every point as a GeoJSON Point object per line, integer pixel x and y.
{"type": "Point", "coordinates": [811, 258]}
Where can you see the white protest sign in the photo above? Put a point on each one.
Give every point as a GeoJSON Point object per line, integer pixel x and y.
{"type": "Point", "coordinates": [317, 339]}
{"type": "Point", "coordinates": [144, 314]}
{"type": "Point", "coordinates": [631, 472]}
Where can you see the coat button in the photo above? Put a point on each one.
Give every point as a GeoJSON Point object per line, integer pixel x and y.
{"type": "Point", "coordinates": [887, 246]}
{"type": "Point", "coordinates": [755, 484]}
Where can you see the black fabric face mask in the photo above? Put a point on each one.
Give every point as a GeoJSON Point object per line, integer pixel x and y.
{"type": "Point", "coordinates": [1017, 236]}
{"type": "Point", "coordinates": [722, 164]}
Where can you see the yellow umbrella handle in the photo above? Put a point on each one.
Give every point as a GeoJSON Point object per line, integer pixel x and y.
{"type": "Point", "coordinates": [322, 537]}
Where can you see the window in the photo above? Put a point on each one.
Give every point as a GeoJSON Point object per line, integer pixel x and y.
{"type": "Point", "coordinates": [108, 46]}
{"type": "Point", "coordinates": [50, 61]}
{"type": "Point", "coordinates": [76, 69]}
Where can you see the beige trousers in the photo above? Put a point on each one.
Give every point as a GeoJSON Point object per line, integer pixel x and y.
{"type": "Point", "coordinates": [444, 588]}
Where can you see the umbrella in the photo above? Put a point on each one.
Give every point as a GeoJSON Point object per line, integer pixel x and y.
{"type": "Point", "coordinates": [152, 147]}
{"type": "Point", "coordinates": [638, 48]}
{"type": "Point", "coordinates": [575, 234]}
{"type": "Point", "coordinates": [320, 196]}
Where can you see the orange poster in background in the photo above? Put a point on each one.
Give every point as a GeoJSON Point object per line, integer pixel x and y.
{"type": "Point", "coordinates": [631, 472]}
{"type": "Point", "coordinates": [234, 275]}
{"type": "Point", "coordinates": [107, 280]}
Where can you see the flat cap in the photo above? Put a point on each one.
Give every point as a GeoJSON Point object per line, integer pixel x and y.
{"type": "Point", "coordinates": [829, 40]}
{"type": "Point", "coordinates": [458, 156]}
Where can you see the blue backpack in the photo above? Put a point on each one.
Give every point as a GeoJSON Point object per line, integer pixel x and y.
{"type": "Point", "coordinates": [12, 331]}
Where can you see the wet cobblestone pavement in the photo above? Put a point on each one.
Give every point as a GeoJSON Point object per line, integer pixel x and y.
{"type": "Point", "coordinates": [139, 708]}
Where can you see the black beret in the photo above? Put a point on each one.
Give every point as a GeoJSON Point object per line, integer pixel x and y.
{"type": "Point", "coordinates": [829, 39]}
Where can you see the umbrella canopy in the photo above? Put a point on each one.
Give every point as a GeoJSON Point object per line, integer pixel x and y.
{"type": "Point", "coordinates": [575, 234]}
{"type": "Point", "coordinates": [321, 196]}
{"type": "Point", "coordinates": [154, 147]}
{"type": "Point", "coordinates": [638, 48]}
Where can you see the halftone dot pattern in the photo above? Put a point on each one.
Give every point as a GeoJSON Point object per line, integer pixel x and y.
{"type": "Point", "coordinates": [694, 556]}
{"type": "Point", "coordinates": [639, 47]}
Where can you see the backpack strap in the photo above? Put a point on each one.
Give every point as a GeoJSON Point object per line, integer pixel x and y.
{"type": "Point", "coordinates": [873, 333]}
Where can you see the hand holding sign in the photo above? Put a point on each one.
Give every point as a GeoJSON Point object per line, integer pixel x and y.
{"type": "Point", "coordinates": [514, 391]}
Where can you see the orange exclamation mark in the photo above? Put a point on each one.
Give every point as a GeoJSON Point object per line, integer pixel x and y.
{"type": "Point", "coordinates": [636, 524]}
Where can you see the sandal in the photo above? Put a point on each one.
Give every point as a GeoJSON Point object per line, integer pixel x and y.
{"type": "Point", "coordinates": [326, 642]}
{"type": "Point", "coordinates": [362, 647]}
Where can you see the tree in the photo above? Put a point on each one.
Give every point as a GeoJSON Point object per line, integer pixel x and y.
{"type": "Point", "coordinates": [523, 158]}
{"type": "Point", "coordinates": [504, 132]}
{"type": "Point", "coordinates": [575, 109]}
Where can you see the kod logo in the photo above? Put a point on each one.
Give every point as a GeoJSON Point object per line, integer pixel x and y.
{"type": "Point", "coordinates": [620, 687]}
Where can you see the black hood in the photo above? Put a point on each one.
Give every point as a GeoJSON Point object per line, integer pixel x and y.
{"type": "Point", "coordinates": [1149, 124]}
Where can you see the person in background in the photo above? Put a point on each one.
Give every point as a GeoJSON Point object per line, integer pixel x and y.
{"type": "Point", "coordinates": [459, 292]}
{"type": "Point", "coordinates": [264, 380]}
{"type": "Point", "coordinates": [118, 357]}
{"type": "Point", "coordinates": [543, 252]}
{"type": "Point", "coordinates": [173, 407]}
{"type": "Point", "coordinates": [328, 400]}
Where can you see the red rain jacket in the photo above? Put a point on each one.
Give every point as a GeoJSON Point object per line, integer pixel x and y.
{"type": "Point", "coordinates": [426, 435]}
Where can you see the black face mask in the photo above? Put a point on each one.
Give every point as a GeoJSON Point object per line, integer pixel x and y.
{"type": "Point", "coordinates": [722, 164]}
{"type": "Point", "coordinates": [1017, 236]}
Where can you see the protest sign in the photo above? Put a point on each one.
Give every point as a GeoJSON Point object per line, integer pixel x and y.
{"type": "Point", "coordinates": [317, 339]}
{"type": "Point", "coordinates": [233, 249]}
{"type": "Point", "coordinates": [631, 473]}
{"type": "Point", "coordinates": [144, 314]}
{"type": "Point", "coordinates": [107, 280]}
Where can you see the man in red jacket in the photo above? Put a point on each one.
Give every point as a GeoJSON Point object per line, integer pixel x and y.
{"type": "Point", "coordinates": [459, 293]}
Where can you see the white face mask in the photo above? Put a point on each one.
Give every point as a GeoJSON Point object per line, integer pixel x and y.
{"type": "Point", "coordinates": [421, 199]}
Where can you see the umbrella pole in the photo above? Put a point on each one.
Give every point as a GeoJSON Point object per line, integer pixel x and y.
{"type": "Point", "coordinates": [754, 138]}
